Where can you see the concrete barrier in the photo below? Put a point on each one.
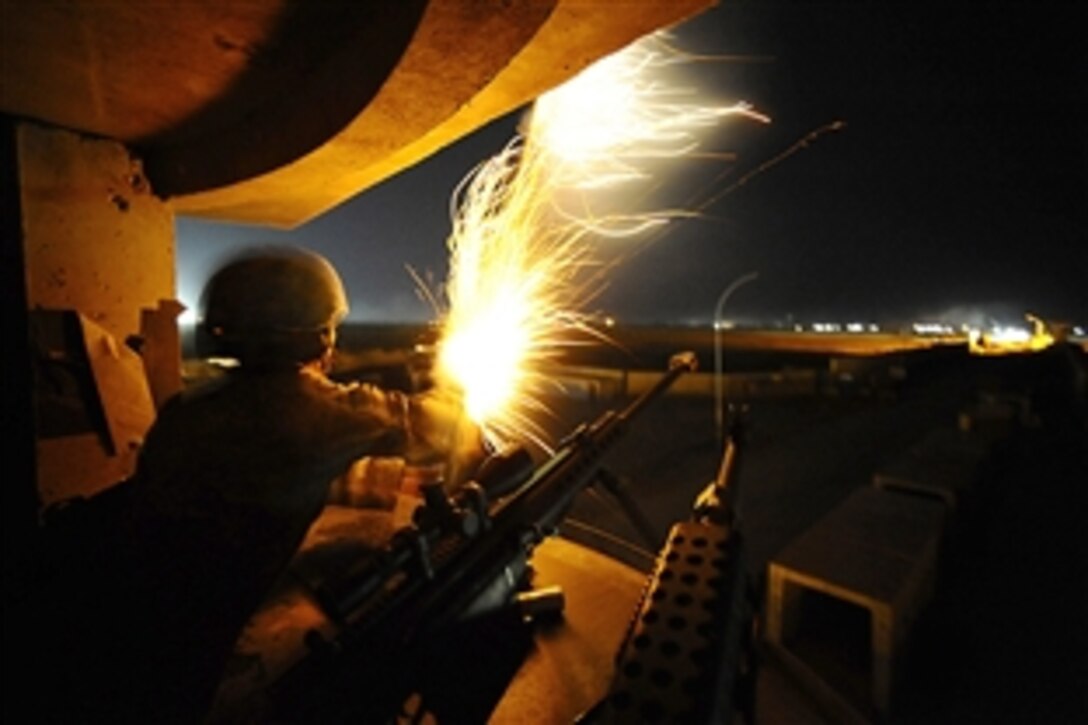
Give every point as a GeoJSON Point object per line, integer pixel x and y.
{"type": "Point", "coordinates": [603, 382]}
{"type": "Point", "coordinates": [875, 554]}
{"type": "Point", "coordinates": [943, 465]}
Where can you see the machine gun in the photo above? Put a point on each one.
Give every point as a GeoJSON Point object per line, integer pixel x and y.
{"type": "Point", "coordinates": [463, 561]}
{"type": "Point", "coordinates": [689, 655]}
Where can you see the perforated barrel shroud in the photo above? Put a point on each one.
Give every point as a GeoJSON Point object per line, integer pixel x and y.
{"type": "Point", "coordinates": [679, 661]}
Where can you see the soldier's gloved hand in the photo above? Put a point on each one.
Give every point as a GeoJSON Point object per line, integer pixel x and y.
{"type": "Point", "coordinates": [438, 419]}
{"type": "Point", "coordinates": [442, 431]}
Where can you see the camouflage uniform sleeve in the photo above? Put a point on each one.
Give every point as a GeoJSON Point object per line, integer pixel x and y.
{"type": "Point", "coordinates": [371, 482]}
{"type": "Point", "coordinates": [434, 427]}
{"type": "Point", "coordinates": [379, 407]}
{"type": "Point", "coordinates": [436, 434]}
{"type": "Point", "coordinates": [389, 406]}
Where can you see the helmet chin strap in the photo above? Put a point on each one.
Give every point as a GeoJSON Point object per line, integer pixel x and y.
{"type": "Point", "coordinates": [328, 336]}
{"type": "Point", "coordinates": [323, 363]}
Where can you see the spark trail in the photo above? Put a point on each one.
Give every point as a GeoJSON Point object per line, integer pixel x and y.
{"type": "Point", "coordinates": [527, 223]}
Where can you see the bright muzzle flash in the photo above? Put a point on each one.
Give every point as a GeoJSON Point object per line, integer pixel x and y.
{"type": "Point", "coordinates": [524, 263]}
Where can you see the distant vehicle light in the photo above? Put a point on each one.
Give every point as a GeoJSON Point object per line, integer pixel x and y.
{"type": "Point", "coordinates": [931, 328]}
{"type": "Point", "coordinates": [223, 362]}
{"type": "Point", "coordinates": [1009, 334]}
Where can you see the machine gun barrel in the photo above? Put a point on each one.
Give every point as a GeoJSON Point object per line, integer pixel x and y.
{"type": "Point", "coordinates": [717, 502]}
{"type": "Point", "coordinates": [544, 498]}
{"type": "Point", "coordinates": [697, 609]}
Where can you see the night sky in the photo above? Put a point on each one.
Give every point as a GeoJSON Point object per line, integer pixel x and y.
{"type": "Point", "coordinates": [957, 190]}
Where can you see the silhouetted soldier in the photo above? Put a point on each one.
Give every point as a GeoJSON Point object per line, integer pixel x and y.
{"type": "Point", "coordinates": [230, 478]}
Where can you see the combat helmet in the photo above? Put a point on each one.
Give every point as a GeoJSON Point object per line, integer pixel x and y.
{"type": "Point", "coordinates": [271, 306]}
